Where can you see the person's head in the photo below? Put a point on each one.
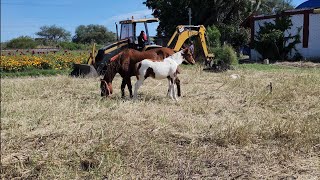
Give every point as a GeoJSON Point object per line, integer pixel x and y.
{"type": "Point", "coordinates": [142, 33]}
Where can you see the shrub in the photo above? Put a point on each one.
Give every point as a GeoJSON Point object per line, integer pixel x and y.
{"type": "Point", "coordinates": [225, 54]}
{"type": "Point", "coordinates": [213, 36]}
{"type": "Point", "coordinates": [272, 35]}
{"type": "Point", "coordinates": [72, 46]}
{"type": "Point", "coordinates": [22, 42]}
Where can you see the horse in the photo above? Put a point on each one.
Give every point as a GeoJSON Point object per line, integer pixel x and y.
{"type": "Point", "coordinates": [162, 69]}
{"type": "Point", "coordinates": [124, 64]}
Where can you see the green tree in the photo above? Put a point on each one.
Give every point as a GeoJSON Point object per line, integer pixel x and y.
{"type": "Point", "coordinates": [270, 6]}
{"type": "Point", "coordinates": [22, 42]}
{"type": "Point", "coordinates": [213, 36]}
{"type": "Point", "coordinates": [97, 33]}
{"type": "Point", "coordinates": [279, 44]}
{"type": "Point", "coordinates": [54, 33]}
{"type": "Point", "coordinates": [208, 12]}
{"type": "Point", "coordinates": [234, 35]}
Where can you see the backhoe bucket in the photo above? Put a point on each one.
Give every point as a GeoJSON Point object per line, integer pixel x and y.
{"type": "Point", "coordinates": [84, 70]}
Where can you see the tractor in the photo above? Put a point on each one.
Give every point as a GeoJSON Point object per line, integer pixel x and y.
{"type": "Point", "coordinates": [127, 38]}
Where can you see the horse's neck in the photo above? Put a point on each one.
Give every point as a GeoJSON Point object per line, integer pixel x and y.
{"type": "Point", "coordinates": [177, 58]}
{"type": "Point", "coordinates": [112, 70]}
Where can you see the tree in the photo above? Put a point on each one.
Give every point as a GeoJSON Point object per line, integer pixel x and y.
{"type": "Point", "coordinates": [279, 44]}
{"type": "Point", "coordinates": [97, 33]}
{"type": "Point", "coordinates": [270, 6]}
{"type": "Point", "coordinates": [213, 36]}
{"type": "Point", "coordinates": [208, 12]}
{"type": "Point", "coordinates": [22, 42]}
{"type": "Point", "coordinates": [54, 33]}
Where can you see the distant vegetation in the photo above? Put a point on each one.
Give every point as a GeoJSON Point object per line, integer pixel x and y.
{"type": "Point", "coordinates": [57, 37]}
{"type": "Point", "coordinates": [22, 42]}
{"type": "Point", "coordinates": [96, 33]}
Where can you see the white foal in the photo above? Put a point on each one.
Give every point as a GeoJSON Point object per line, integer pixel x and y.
{"type": "Point", "coordinates": [161, 70]}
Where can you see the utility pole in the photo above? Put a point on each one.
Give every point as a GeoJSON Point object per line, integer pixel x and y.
{"type": "Point", "coordinates": [189, 9]}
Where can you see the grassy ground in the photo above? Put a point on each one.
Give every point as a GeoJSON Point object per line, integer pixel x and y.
{"type": "Point", "coordinates": [35, 72]}
{"type": "Point", "coordinates": [222, 128]}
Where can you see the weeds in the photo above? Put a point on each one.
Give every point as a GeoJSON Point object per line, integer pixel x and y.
{"type": "Point", "coordinates": [60, 127]}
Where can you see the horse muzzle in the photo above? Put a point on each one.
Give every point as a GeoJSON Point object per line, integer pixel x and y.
{"type": "Point", "coordinates": [106, 88]}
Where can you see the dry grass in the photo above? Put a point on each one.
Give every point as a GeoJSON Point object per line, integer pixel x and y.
{"type": "Point", "coordinates": [222, 128]}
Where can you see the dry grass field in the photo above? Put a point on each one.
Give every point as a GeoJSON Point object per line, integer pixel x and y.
{"type": "Point", "coordinates": [221, 128]}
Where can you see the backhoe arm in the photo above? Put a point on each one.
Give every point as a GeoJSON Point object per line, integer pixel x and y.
{"type": "Point", "coordinates": [183, 33]}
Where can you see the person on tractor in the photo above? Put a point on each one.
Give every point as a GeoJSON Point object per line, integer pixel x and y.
{"type": "Point", "coordinates": [142, 40]}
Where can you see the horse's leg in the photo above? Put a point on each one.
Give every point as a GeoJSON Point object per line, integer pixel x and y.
{"type": "Point", "coordinates": [123, 86]}
{"type": "Point", "coordinates": [129, 86]}
{"type": "Point", "coordinates": [177, 82]}
{"type": "Point", "coordinates": [173, 89]}
{"type": "Point", "coordinates": [169, 87]}
{"type": "Point", "coordinates": [137, 86]}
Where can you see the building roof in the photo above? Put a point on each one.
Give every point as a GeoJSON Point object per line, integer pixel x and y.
{"type": "Point", "coordinates": [309, 4]}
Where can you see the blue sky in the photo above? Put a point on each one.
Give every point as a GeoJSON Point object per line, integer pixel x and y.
{"type": "Point", "coordinates": [25, 17]}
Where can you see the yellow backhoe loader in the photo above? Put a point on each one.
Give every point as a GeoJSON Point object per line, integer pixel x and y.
{"type": "Point", "coordinates": [127, 38]}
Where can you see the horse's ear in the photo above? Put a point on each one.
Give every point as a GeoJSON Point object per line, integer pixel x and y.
{"type": "Point", "coordinates": [186, 51]}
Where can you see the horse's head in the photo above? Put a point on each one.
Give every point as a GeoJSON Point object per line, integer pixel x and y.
{"type": "Point", "coordinates": [106, 88]}
{"type": "Point", "coordinates": [112, 67]}
{"type": "Point", "coordinates": [187, 56]}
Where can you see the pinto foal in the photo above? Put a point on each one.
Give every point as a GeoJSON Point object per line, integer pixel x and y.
{"type": "Point", "coordinates": [161, 70]}
{"type": "Point", "coordinates": [124, 63]}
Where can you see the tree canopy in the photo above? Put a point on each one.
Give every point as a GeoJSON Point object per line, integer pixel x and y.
{"type": "Point", "coordinates": [97, 33]}
{"type": "Point", "coordinates": [208, 12]}
{"type": "Point", "coordinates": [54, 33]}
{"type": "Point", "coordinates": [22, 42]}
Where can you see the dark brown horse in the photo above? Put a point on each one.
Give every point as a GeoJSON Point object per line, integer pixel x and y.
{"type": "Point", "coordinates": [124, 64]}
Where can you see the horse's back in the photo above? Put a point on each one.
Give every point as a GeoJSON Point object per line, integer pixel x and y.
{"type": "Point", "coordinates": [160, 69]}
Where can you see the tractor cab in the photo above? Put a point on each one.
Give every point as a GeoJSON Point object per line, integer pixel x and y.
{"type": "Point", "coordinates": [131, 30]}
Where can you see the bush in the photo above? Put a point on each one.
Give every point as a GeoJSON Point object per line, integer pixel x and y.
{"type": "Point", "coordinates": [22, 42]}
{"type": "Point", "coordinates": [225, 54]}
{"type": "Point", "coordinates": [213, 36]}
{"type": "Point", "coordinates": [273, 36]}
{"type": "Point", "coordinates": [72, 46]}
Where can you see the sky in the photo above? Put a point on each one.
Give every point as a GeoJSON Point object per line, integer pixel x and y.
{"type": "Point", "coordinates": [25, 17]}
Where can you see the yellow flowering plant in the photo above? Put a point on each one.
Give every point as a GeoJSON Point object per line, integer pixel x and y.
{"type": "Point", "coordinates": [50, 60]}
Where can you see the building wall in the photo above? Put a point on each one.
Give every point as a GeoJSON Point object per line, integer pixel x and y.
{"type": "Point", "coordinates": [313, 50]}
{"type": "Point", "coordinates": [297, 22]}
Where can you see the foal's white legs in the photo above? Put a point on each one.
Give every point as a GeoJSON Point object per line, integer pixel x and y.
{"type": "Point", "coordinates": [173, 90]}
{"type": "Point", "coordinates": [136, 87]}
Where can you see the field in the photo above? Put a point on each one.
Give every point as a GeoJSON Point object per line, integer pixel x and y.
{"type": "Point", "coordinates": [59, 127]}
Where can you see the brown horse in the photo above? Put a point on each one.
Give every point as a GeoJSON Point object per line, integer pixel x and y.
{"type": "Point", "coordinates": [124, 64]}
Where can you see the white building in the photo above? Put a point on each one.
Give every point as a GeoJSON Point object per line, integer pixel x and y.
{"type": "Point", "coordinates": [307, 19]}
